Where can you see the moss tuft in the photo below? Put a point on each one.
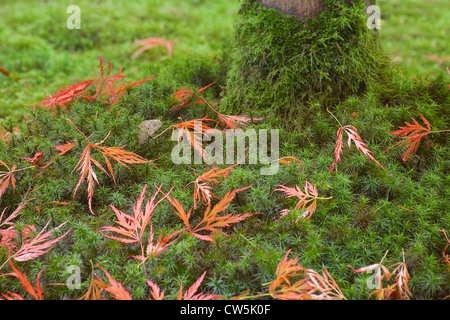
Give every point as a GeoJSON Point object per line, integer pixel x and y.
{"type": "Point", "coordinates": [281, 64]}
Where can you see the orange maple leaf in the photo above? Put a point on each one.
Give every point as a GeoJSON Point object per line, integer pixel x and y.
{"type": "Point", "coordinates": [203, 184]}
{"type": "Point", "coordinates": [353, 135]}
{"type": "Point", "coordinates": [308, 197]}
{"type": "Point", "coordinates": [6, 178]}
{"type": "Point", "coordinates": [190, 294]}
{"type": "Point", "coordinates": [233, 122]}
{"type": "Point", "coordinates": [411, 136]}
{"type": "Point", "coordinates": [193, 131]}
{"type": "Point", "coordinates": [149, 43]}
{"type": "Point", "coordinates": [211, 222]}
{"type": "Point", "coordinates": [294, 282]}
{"type": "Point", "coordinates": [84, 166]}
{"type": "Point", "coordinates": [397, 290]}
{"type": "Point", "coordinates": [186, 97]}
{"type": "Point", "coordinates": [36, 293]}
{"type": "Point", "coordinates": [115, 288]}
{"type": "Point", "coordinates": [35, 247]}
{"type": "Point", "coordinates": [96, 287]}
{"type": "Point", "coordinates": [106, 87]}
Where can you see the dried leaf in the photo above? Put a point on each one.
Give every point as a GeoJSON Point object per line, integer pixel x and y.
{"type": "Point", "coordinates": [307, 199]}
{"type": "Point", "coordinates": [115, 288]}
{"type": "Point", "coordinates": [234, 122]}
{"type": "Point", "coordinates": [402, 279]}
{"type": "Point", "coordinates": [35, 160]}
{"type": "Point", "coordinates": [203, 184]}
{"type": "Point", "coordinates": [155, 291]}
{"type": "Point", "coordinates": [411, 136]}
{"type": "Point", "coordinates": [107, 88]}
{"type": "Point", "coordinates": [191, 293]}
{"type": "Point", "coordinates": [6, 178]}
{"type": "Point", "coordinates": [211, 222]}
{"type": "Point", "coordinates": [353, 135]}
{"type": "Point", "coordinates": [64, 148]}
{"type": "Point", "coordinates": [132, 227]}
{"type": "Point", "coordinates": [39, 245]}
{"type": "Point", "coordinates": [294, 282]}
{"type": "Point", "coordinates": [95, 289]}
{"type": "Point", "coordinates": [187, 97]}
{"type": "Point", "coordinates": [36, 293]}
{"type": "Point", "coordinates": [193, 131]}
{"type": "Point", "coordinates": [86, 170]}
{"type": "Point", "coordinates": [149, 43]}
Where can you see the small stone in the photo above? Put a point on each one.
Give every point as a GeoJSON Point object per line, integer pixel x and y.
{"type": "Point", "coordinates": [147, 128]}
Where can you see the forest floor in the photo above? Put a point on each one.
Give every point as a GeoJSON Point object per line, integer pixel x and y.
{"type": "Point", "coordinates": [401, 211]}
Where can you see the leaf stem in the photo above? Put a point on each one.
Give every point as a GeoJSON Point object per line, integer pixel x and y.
{"type": "Point", "coordinates": [335, 118]}
{"type": "Point", "coordinates": [439, 131]}
{"type": "Point", "coordinates": [78, 130]}
{"type": "Point", "coordinates": [319, 198]}
{"type": "Point", "coordinates": [162, 132]}
{"type": "Point", "coordinates": [23, 169]}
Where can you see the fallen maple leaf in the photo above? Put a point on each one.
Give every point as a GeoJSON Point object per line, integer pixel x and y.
{"type": "Point", "coordinates": [353, 135]}
{"type": "Point", "coordinates": [6, 178]}
{"type": "Point", "coordinates": [186, 97]}
{"type": "Point", "coordinates": [34, 160]}
{"type": "Point", "coordinates": [84, 166]}
{"type": "Point", "coordinates": [149, 43]}
{"type": "Point", "coordinates": [381, 271]}
{"type": "Point", "coordinates": [411, 136]}
{"type": "Point", "coordinates": [190, 294]}
{"type": "Point", "coordinates": [308, 197]}
{"type": "Point", "coordinates": [155, 249]}
{"type": "Point", "coordinates": [211, 222]}
{"type": "Point", "coordinates": [233, 122]}
{"type": "Point", "coordinates": [294, 282]}
{"type": "Point", "coordinates": [446, 255]}
{"type": "Point", "coordinates": [193, 131]}
{"type": "Point", "coordinates": [96, 287]}
{"type": "Point", "coordinates": [115, 288]}
{"type": "Point", "coordinates": [397, 290]}
{"type": "Point", "coordinates": [108, 88]}
{"type": "Point", "coordinates": [39, 245]}
{"type": "Point", "coordinates": [156, 292]}
{"type": "Point", "coordinates": [36, 293]}
{"type": "Point", "coordinates": [64, 148]}
{"type": "Point", "coordinates": [10, 235]}
{"type": "Point", "coordinates": [132, 228]}
{"type": "Point", "coordinates": [402, 279]}
{"type": "Point", "coordinates": [64, 95]}
{"type": "Point", "coordinates": [203, 184]}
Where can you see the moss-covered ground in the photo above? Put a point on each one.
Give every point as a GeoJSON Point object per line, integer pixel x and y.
{"type": "Point", "coordinates": [402, 210]}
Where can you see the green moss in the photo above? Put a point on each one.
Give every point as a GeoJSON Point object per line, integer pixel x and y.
{"type": "Point", "coordinates": [365, 217]}
{"type": "Point", "coordinates": [281, 63]}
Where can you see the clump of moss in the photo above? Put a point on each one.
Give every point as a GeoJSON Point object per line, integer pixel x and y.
{"type": "Point", "coordinates": [282, 64]}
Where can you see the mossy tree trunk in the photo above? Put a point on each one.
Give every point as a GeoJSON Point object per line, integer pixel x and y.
{"type": "Point", "coordinates": [290, 55]}
{"type": "Point", "coordinates": [301, 8]}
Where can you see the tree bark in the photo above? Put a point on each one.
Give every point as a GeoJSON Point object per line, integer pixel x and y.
{"type": "Point", "coordinates": [302, 8]}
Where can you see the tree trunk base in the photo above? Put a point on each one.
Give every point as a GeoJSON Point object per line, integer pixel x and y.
{"type": "Point", "coordinates": [283, 65]}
